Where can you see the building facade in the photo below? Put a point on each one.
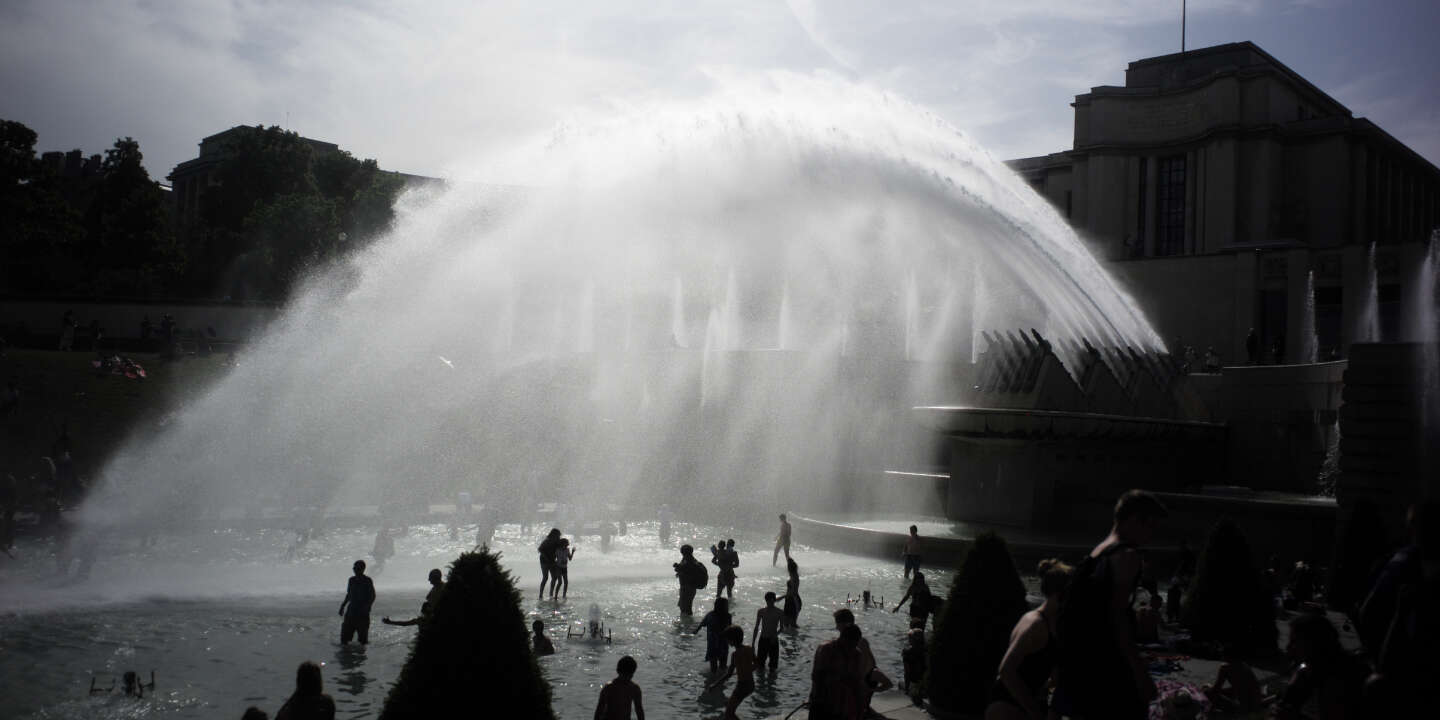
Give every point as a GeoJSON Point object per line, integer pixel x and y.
{"type": "Point", "coordinates": [1226, 192]}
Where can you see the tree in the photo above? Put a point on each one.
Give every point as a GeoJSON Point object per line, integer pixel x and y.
{"type": "Point", "coordinates": [131, 230]}
{"type": "Point", "coordinates": [1228, 603]}
{"type": "Point", "coordinates": [972, 631]}
{"type": "Point", "coordinates": [475, 638]}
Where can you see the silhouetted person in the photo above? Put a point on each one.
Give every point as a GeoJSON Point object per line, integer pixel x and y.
{"type": "Point", "coordinates": [1398, 620]}
{"type": "Point", "coordinates": [1252, 347]}
{"type": "Point", "coordinates": [384, 547]}
{"type": "Point", "coordinates": [742, 666]}
{"type": "Point", "coordinates": [1100, 673]}
{"type": "Point", "coordinates": [782, 541]}
{"type": "Point", "coordinates": [1327, 678]}
{"type": "Point", "coordinates": [67, 331]}
{"type": "Point", "coordinates": [692, 576]}
{"type": "Point", "coordinates": [425, 612]}
{"type": "Point", "coordinates": [560, 574]}
{"type": "Point", "coordinates": [355, 608]}
{"type": "Point", "coordinates": [548, 547]}
{"type": "Point", "coordinates": [715, 623]}
{"type": "Point", "coordinates": [837, 688]}
{"type": "Point", "coordinates": [309, 702]}
{"type": "Point", "coordinates": [1236, 689]}
{"type": "Point", "coordinates": [1023, 682]}
{"type": "Point", "coordinates": [541, 643]}
{"type": "Point", "coordinates": [619, 694]}
{"type": "Point", "coordinates": [871, 678]}
{"type": "Point", "coordinates": [913, 659]}
{"type": "Point", "coordinates": [664, 524]}
{"type": "Point", "coordinates": [767, 627]}
{"type": "Point", "coordinates": [724, 556]}
{"type": "Point", "coordinates": [792, 594]}
{"type": "Point", "coordinates": [912, 551]}
{"type": "Point", "coordinates": [921, 600]}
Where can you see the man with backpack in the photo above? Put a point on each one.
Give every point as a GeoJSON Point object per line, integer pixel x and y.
{"type": "Point", "coordinates": [692, 575]}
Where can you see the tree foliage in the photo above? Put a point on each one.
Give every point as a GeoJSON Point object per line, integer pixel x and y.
{"type": "Point", "coordinates": [972, 631]}
{"type": "Point", "coordinates": [1228, 603]}
{"type": "Point", "coordinates": [473, 652]}
{"type": "Point", "coordinates": [276, 207]}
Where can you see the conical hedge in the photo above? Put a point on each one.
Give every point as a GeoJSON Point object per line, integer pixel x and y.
{"type": "Point", "coordinates": [972, 631]}
{"type": "Point", "coordinates": [473, 653]}
{"type": "Point", "coordinates": [1228, 603]}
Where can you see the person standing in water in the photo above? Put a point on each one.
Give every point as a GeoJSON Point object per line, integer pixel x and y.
{"type": "Point", "coordinates": [782, 541]}
{"type": "Point", "coordinates": [548, 547]}
{"type": "Point", "coordinates": [560, 575]}
{"type": "Point", "coordinates": [792, 594]}
{"type": "Point", "coordinates": [742, 665]}
{"type": "Point", "coordinates": [912, 552]}
{"type": "Point", "coordinates": [619, 694]}
{"type": "Point", "coordinates": [921, 601]}
{"type": "Point", "coordinates": [665, 524]}
{"type": "Point", "coordinates": [767, 626]}
{"type": "Point", "coordinates": [692, 576]}
{"type": "Point", "coordinates": [355, 608]}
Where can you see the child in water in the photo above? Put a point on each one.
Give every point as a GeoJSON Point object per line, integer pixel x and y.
{"type": "Point", "coordinates": [561, 573]}
{"type": "Point", "coordinates": [715, 623]}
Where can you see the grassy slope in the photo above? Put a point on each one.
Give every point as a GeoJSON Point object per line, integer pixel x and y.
{"type": "Point", "coordinates": [61, 388]}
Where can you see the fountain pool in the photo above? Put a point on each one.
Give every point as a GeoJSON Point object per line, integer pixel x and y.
{"type": "Point", "coordinates": [235, 637]}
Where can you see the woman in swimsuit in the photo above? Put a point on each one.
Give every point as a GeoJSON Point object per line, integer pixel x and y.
{"type": "Point", "coordinates": [1024, 678]}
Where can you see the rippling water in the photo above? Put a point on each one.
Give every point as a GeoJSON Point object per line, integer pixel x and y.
{"type": "Point", "coordinates": [224, 619]}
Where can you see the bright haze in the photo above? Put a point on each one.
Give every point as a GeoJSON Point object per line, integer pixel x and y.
{"type": "Point", "coordinates": [430, 86]}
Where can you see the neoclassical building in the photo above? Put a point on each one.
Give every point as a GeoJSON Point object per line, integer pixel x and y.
{"type": "Point", "coordinates": [1219, 185]}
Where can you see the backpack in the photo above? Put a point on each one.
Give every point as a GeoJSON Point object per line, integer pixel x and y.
{"type": "Point", "coordinates": [697, 576]}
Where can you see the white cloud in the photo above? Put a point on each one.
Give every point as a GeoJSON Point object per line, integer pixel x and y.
{"type": "Point", "coordinates": [423, 85]}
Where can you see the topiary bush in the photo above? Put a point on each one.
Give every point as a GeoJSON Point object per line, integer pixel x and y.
{"type": "Point", "coordinates": [1228, 603]}
{"type": "Point", "coordinates": [473, 652]}
{"type": "Point", "coordinates": [973, 628]}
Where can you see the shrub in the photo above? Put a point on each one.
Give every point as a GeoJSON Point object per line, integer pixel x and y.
{"type": "Point", "coordinates": [1228, 603]}
{"type": "Point", "coordinates": [972, 631]}
{"type": "Point", "coordinates": [476, 639]}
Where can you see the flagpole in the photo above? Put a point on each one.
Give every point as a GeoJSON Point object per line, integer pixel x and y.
{"type": "Point", "coordinates": [1182, 25]}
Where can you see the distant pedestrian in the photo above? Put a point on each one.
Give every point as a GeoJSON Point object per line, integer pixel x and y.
{"type": "Point", "coordinates": [67, 331]}
{"type": "Point", "coordinates": [692, 576]}
{"type": "Point", "coordinates": [1100, 673]}
{"type": "Point", "coordinates": [715, 623]}
{"type": "Point", "coordinates": [742, 666]}
{"type": "Point", "coordinates": [355, 608]}
{"type": "Point", "coordinates": [767, 627]}
{"type": "Point", "coordinates": [782, 541]}
{"type": "Point", "coordinates": [384, 547]}
{"type": "Point", "coordinates": [548, 547]}
{"type": "Point", "coordinates": [309, 701]}
{"type": "Point", "coordinates": [792, 594]}
{"type": "Point", "coordinates": [619, 694]}
{"type": "Point", "coordinates": [912, 551]}
{"type": "Point", "coordinates": [1252, 347]}
{"type": "Point", "coordinates": [665, 524]}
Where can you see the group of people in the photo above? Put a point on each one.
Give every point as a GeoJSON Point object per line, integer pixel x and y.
{"type": "Point", "coordinates": [1084, 638]}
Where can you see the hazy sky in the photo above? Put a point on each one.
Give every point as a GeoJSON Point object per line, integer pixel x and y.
{"type": "Point", "coordinates": [428, 86]}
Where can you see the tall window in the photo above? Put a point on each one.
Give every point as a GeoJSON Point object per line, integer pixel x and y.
{"type": "Point", "coordinates": [1137, 244]}
{"type": "Point", "coordinates": [1170, 206]}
